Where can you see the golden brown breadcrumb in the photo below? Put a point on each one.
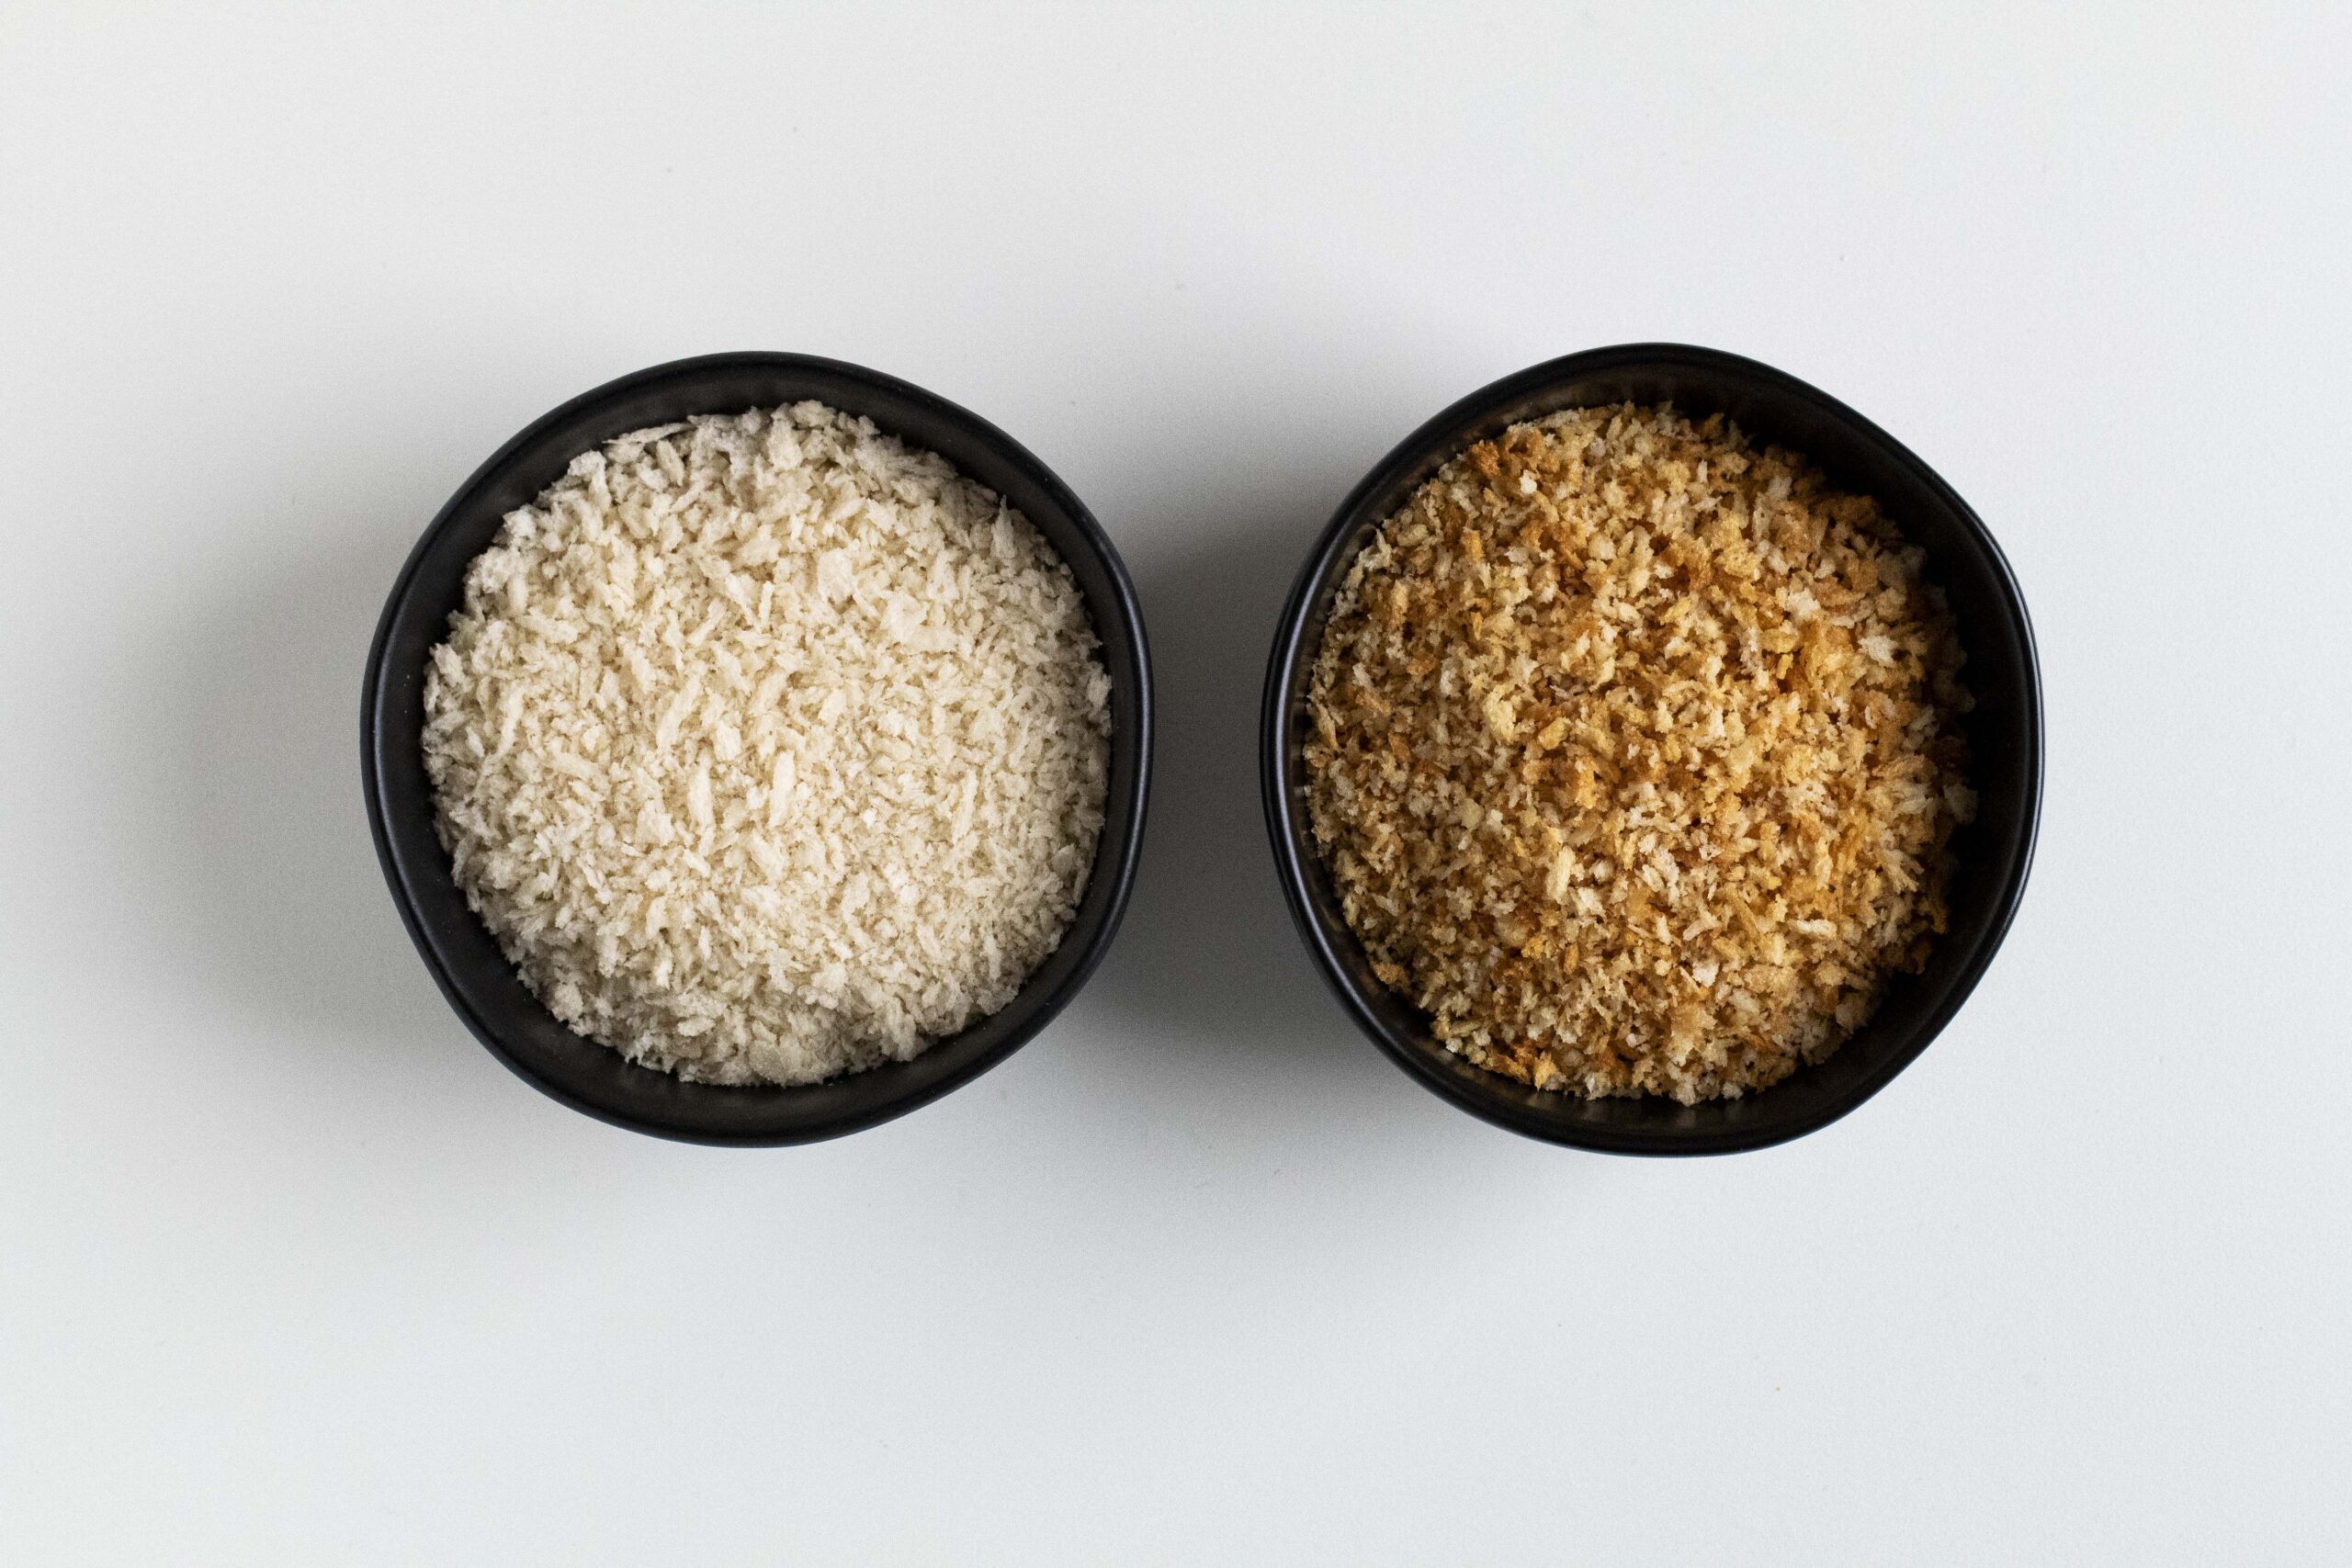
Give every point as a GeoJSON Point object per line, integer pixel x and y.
{"type": "Point", "coordinates": [1634, 761]}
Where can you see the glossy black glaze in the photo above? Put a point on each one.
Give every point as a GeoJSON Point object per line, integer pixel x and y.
{"type": "Point", "coordinates": [484, 987]}
{"type": "Point", "coordinates": [2004, 733]}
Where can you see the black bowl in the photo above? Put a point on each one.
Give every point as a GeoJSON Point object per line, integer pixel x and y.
{"type": "Point", "coordinates": [2004, 735]}
{"type": "Point", "coordinates": [464, 958]}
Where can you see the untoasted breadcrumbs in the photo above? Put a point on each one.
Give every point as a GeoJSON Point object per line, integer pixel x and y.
{"type": "Point", "coordinates": [768, 747]}
{"type": "Point", "coordinates": [1634, 761]}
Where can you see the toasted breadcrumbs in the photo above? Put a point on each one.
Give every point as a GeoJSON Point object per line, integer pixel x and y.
{"type": "Point", "coordinates": [1634, 760]}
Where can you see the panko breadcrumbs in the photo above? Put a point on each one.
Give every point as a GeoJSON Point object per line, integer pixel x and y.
{"type": "Point", "coordinates": [1634, 760]}
{"type": "Point", "coordinates": [768, 747]}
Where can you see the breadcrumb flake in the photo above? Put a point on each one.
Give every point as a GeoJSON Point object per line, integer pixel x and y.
{"type": "Point", "coordinates": [1635, 755]}
{"type": "Point", "coordinates": [769, 747]}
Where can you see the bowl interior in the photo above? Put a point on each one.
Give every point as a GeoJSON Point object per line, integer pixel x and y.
{"type": "Point", "coordinates": [2004, 734]}
{"type": "Point", "coordinates": [458, 948]}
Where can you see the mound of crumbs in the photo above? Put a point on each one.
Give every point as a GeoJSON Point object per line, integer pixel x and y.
{"type": "Point", "coordinates": [1635, 756]}
{"type": "Point", "coordinates": [769, 747]}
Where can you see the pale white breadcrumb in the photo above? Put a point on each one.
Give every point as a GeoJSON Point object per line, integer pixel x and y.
{"type": "Point", "coordinates": [769, 748]}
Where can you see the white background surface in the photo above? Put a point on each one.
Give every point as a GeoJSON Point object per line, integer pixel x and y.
{"type": "Point", "coordinates": [293, 1271]}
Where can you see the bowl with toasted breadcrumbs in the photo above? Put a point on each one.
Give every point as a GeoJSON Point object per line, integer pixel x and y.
{"type": "Point", "coordinates": [1652, 753]}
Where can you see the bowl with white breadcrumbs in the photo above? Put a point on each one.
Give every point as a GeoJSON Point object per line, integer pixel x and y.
{"type": "Point", "coordinates": [756, 748]}
{"type": "Point", "coordinates": [1652, 753]}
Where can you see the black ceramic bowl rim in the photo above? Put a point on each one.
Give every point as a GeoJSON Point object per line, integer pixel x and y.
{"type": "Point", "coordinates": [2005, 735]}
{"type": "Point", "coordinates": [460, 950]}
